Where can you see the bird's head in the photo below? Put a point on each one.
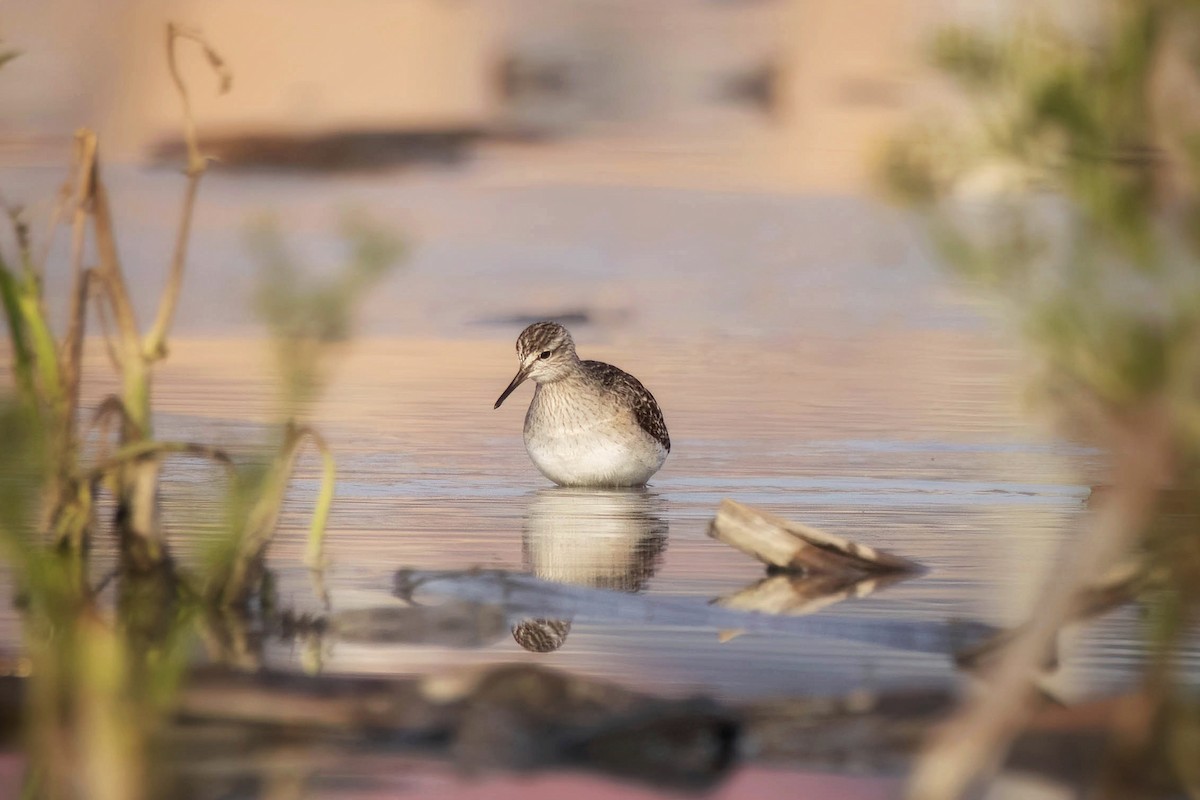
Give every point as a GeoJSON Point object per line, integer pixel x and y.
{"type": "Point", "coordinates": [545, 352]}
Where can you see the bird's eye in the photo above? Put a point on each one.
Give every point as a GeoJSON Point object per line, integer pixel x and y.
{"type": "Point", "coordinates": [545, 354]}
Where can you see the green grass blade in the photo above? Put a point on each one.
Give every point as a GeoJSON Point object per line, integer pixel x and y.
{"type": "Point", "coordinates": [43, 347]}
{"type": "Point", "coordinates": [22, 354]}
{"type": "Point", "coordinates": [314, 553]}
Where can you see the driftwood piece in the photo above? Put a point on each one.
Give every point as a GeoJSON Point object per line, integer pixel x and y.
{"type": "Point", "coordinates": [795, 547]}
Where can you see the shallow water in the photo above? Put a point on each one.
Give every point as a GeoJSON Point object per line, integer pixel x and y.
{"type": "Point", "coordinates": [431, 477]}
{"type": "Point", "coordinates": [809, 360]}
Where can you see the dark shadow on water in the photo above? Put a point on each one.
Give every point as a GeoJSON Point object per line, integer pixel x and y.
{"type": "Point", "coordinates": [452, 624]}
{"type": "Point", "coordinates": [330, 152]}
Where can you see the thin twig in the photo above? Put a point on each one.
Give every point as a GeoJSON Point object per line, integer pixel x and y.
{"type": "Point", "coordinates": [71, 354]}
{"type": "Point", "coordinates": [155, 343]}
{"type": "Point", "coordinates": [100, 296]}
{"type": "Point", "coordinates": [85, 159]}
{"type": "Point", "coordinates": [196, 162]}
{"type": "Point", "coordinates": [104, 581]}
{"type": "Point", "coordinates": [110, 407]}
{"type": "Point", "coordinates": [110, 264]}
{"type": "Point", "coordinates": [56, 215]}
{"type": "Point", "coordinates": [149, 449]}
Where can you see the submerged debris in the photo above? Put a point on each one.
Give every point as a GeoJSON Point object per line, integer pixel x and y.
{"type": "Point", "coordinates": [453, 624]}
{"type": "Point", "coordinates": [795, 547]}
{"type": "Point", "coordinates": [522, 597]}
{"type": "Point", "coordinates": [229, 727]}
{"type": "Point", "coordinates": [520, 717]}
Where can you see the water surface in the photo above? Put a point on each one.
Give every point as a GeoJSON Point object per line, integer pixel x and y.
{"type": "Point", "coordinates": [809, 358]}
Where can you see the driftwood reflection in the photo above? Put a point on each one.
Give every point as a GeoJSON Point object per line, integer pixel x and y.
{"type": "Point", "coordinates": [808, 569]}
{"type": "Point", "coordinates": [602, 539]}
{"type": "Point", "coordinates": [797, 595]}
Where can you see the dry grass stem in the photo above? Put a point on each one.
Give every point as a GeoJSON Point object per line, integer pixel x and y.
{"type": "Point", "coordinates": [139, 451]}
{"type": "Point", "coordinates": [99, 295]}
{"type": "Point", "coordinates": [72, 351]}
{"type": "Point", "coordinates": [972, 744]}
{"type": "Point", "coordinates": [113, 278]}
{"type": "Point", "coordinates": [101, 420]}
{"type": "Point", "coordinates": [155, 344]}
{"type": "Point", "coordinates": [72, 356]}
{"type": "Point", "coordinates": [65, 194]}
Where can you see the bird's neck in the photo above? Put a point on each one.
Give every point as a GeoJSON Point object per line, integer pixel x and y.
{"type": "Point", "coordinates": [566, 374]}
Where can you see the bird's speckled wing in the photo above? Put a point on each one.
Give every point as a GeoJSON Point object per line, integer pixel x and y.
{"type": "Point", "coordinates": [645, 407]}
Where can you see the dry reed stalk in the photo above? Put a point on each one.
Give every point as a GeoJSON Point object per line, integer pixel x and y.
{"type": "Point", "coordinates": [971, 745]}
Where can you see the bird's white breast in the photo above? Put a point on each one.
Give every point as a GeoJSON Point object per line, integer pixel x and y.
{"type": "Point", "coordinates": [577, 442]}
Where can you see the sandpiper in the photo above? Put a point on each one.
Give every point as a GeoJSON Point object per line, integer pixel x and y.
{"type": "Point", "coordinates": [589, 423]}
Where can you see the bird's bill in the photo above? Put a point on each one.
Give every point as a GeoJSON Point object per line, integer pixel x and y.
{"type": "Point", "coordinates": [522, 374]}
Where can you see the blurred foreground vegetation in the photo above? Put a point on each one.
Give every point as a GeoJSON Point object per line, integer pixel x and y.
{"type": "Point", "coordinates": [104, 665]}
{"type": "Point", "coordinates": [1066, 187]}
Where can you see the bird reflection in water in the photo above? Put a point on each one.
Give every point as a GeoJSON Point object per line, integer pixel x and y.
{"type": "Point", "coordinates": [599, 538]}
